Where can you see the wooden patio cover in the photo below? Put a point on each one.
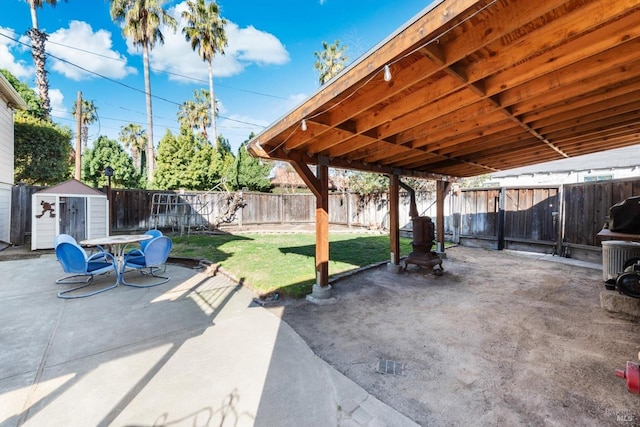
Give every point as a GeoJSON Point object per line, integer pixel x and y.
{"type": "Point", "coordinates": [473, 87]}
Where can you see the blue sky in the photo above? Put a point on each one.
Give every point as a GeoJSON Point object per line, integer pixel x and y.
{"type": "Point", "coordinates": [267, 69]}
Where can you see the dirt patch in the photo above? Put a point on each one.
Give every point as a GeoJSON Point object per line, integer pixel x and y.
{"type": "Point", "coordinates": [500, 339]}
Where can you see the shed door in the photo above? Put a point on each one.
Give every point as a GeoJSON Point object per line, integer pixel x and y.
{"type": "Point", "coordinates": [73, 217]}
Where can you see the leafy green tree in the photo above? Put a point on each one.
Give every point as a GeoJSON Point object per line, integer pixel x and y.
{"type": "Point", "coordinates": [368, 183]}
{"type": "Point", "coordinates": [194, 114]}
{"type": "Point", "coordinates": [475, 181]}
{"type": "Point", "coordinates": [420, 184]}
{"type": "Point", "coordinates": [249, 172]}
{"type": "Point", "coordinates": [330, 61]}
{"type": "Point", "coordinates": [107, 152]}
{"type": "Point", "coordinates": [225, 160]}
{"type": "Point", "coordinates": [38, 39]}
{"type": "Point", "coordinates": [187, 161]}
{"type": "Point", "coordinates": [41, 151]}
{"type": "Point", "coordinates": [89, 116]}
{"type": "Point", "coordinates": [141, 21]}
{"type": "Point", "coordinates": [224, 145]}
{"type": "Point", "coordinates": [34, 103]}
{"type": "Point", "coordinates": [205, 31]}
{"type": "Point", "coordinates": [133, 137]}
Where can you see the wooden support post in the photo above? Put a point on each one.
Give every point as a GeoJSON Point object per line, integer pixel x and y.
{"type": "Point", "coordinates": [322, 228]}
{"type": "Point", "coordinates": [394, 220]}
{"type": "Point", "coordinates": [442, 188]}
{"type": "Point", "coordinates": [319, 185]}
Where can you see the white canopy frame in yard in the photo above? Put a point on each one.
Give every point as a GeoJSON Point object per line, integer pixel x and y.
{"type": "Point", "coordinates": [189, 212]}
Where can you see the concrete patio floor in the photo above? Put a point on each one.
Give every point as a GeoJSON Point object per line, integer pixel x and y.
{"type": "Point", "coordinates": [195, 351]}
{"type": "Point", "coordinates": [502, 338]}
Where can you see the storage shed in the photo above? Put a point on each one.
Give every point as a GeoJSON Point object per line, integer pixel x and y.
{"type": "Point", "coordinates": [70, 207]}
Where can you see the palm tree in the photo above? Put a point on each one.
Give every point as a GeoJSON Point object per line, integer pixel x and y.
{"type": "Point", "coordinates": [38, 40]}
{"type": "Point", "coordinates": [195, 114]}
{"type": "Point", "coordinates": [187, 115]}
{"type": "Point", "coordinates": [142, 20]}
{"type": "Point", "coordinates": [134, 137]}
{"type": "Point", "coordinates": [205, 30]}
{"type": "Point", "coordinates": [330, 61]}
{"type": "Point", "coordinates": [89, 116]}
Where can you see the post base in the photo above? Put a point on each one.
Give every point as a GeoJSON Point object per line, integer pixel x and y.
{"type": "Point", "coordinates": [394, 268]}
{"type": "Point", "coordinates": [321, 295]}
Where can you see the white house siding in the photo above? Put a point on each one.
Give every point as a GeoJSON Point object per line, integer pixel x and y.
{"type": "Point", "coordinates": [557, 178]}
{"type": "Point", "coordinates": [612, 164]}
{"type": "Point", "coordinates": [6, 169]}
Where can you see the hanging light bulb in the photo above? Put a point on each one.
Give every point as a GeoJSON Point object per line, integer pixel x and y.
{"type": "Point", "coordinates": [303, 125]}
{"type": "Point", "coordinates": [387, 73]}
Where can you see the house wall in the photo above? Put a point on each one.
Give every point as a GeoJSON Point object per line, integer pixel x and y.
{"type": "Point", "coordinates": [6, 169]}
{"type": "Point", "coordinates": [558, 178]}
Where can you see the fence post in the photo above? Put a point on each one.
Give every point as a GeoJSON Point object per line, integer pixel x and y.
{"type": "Point", "coordinates": [501, 217]}
{"type": "Point", "coordinates": [281, 209]}
{"type": "Point", "coordinates": [560, 221]}
{"type": "Point", "coordinates": [241, 210]}
{"type": "Point", "coordinates": [456, 215]}
{"type": "Point", "coordinates": [349, 208]}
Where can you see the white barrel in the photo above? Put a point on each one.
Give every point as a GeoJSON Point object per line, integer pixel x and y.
{"type": "Point", "coordinates": [614, 255]}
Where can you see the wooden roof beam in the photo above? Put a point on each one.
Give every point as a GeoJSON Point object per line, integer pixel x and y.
{"type": "Point", "coordinates": [596, 105]}
{"type": "Point", "coordinates": [567, 84]}
{"type": "Point", "coordinates": [606, 124]}
{"type": "Point", "coordinates": [341, 163]}
{"type": "Point", "coordinates": [562, 42]}
{"type": "Point", "coordinates": [616, 113]}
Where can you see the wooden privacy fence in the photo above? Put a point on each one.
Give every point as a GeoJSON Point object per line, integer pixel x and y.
{"type": "Point", "coordinates": [134, 210]}
{"type": "Point", "coordinates": [561, 219]}
{"type": "Point", "coordinates": [564, 219]}
{"type": "Point", "coordinates": [504, 217]}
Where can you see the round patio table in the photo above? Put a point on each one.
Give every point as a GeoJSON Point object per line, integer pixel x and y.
{"type": "Point", "coordinates": [118, 245]}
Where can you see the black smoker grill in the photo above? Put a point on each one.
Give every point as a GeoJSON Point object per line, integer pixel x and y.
{"type": "Point", "coordinates": [624, 221]}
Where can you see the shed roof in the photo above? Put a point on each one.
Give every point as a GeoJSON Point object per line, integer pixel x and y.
{"type": "Point", "coordinates": [476, 87]}
{"type": "Point", "coordinates": [72, 187]}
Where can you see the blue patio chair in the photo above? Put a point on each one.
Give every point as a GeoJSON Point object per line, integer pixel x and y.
{"type": "Point", "coordinates": [69, 238]}
{"type": "Point", "coordinates": [148, 261]}
{"type": "Point", "coordinates": [153, 232]}
{"type": "Point", "coordinates": [63, 238]}
{"type": "Point", "coordinates": [83, 268]}
{"type": "Point", "coordinates": [143, 244]}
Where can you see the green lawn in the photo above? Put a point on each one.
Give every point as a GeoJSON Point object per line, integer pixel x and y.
{"type": "Point", "coordinates": [284, 262]}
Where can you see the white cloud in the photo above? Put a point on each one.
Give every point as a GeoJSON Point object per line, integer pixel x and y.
{"type": "Point", "coordinates": [246, 46]}
{"type": "Point", "coordinates": [92, 51]}
{"type": "Point", "coordinates": [18, 67]}
{"type": "Point", "coordinates": [57, 105]}
{"type": "Point", "coordinates": [252, 45]}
